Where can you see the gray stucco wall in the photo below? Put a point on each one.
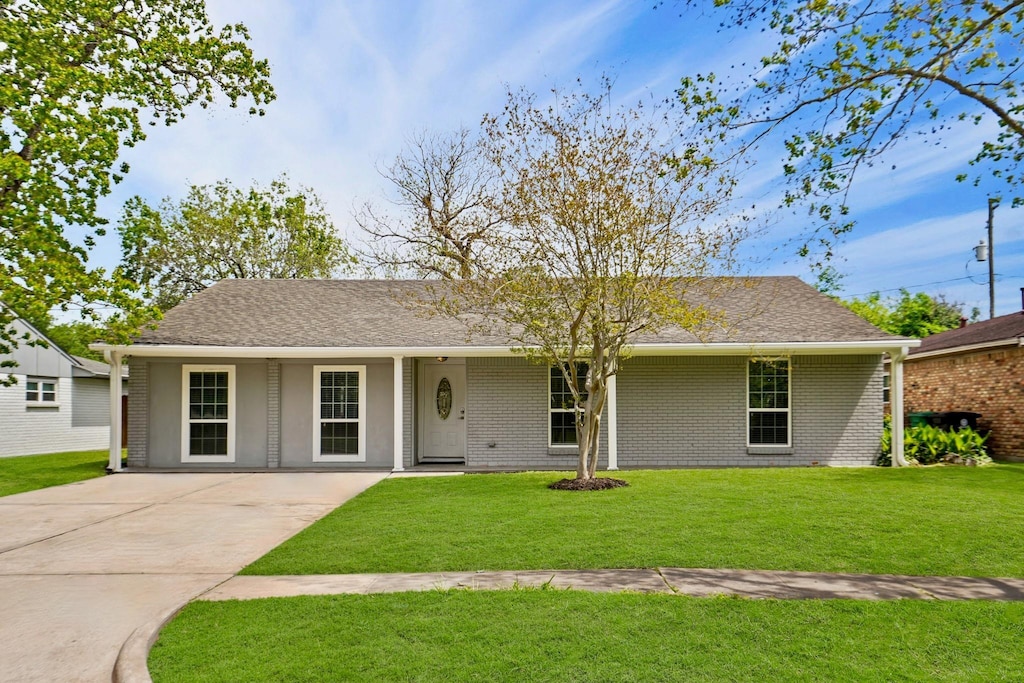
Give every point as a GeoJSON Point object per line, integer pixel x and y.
{"type": "Point", "coordinates": [297, 413]}
{"type": "Point", "coordinates": [163, 440]}
{"type": "Point", "coordinates": [507, 405]}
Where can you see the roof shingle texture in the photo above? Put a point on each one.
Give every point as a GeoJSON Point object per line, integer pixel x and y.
{"type": "Point", "coordinates": [1005, 327]}
{"type": "Point", "coordinates": [94, 366]}
{"type": "Point", "coordinates": [377, 313]}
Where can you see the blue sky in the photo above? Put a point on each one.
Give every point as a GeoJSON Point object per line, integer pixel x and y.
{"type": "Point", "coordinates": [354, 78]}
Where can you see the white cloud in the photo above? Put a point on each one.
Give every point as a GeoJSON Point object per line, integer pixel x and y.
{"type": "Point", "coordinates": [936, 256]}
{"type": "Point", "coordinates": [355, 78]}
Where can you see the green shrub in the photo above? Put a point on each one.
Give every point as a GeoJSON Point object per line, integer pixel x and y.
{"type": "Point", "coordinates": [927, 444]}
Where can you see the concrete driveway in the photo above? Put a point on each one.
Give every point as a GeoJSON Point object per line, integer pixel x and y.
{"type": "Point", "coordinates": [83, 565]}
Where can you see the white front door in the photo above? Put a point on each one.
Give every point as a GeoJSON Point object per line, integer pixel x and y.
{"type": "Point", "coordinates": [443, 412]}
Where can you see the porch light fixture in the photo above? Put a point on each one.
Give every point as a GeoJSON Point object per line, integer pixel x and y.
{"type": "Point", "coordinates": [441, 359]}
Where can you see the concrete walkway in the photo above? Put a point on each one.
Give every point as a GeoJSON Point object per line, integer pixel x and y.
{"type": "Point", "coordinates": [697, 582]}
{"type": "Point", "coordinates": [83, 565]}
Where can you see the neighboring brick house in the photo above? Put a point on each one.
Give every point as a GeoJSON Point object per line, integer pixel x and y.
{"type": "Point", "coordinates": [335, 374]}
{"type": "Point", "coordinates": [977, 368]}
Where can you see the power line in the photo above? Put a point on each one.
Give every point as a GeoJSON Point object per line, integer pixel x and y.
{"type": "Point", "coordinates": [929, 284]}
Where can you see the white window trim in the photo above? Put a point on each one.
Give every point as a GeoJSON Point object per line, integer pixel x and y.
{"type": "Point", "coordinates": [361, 421]}
{"type": "Point", "coordinates": [39, 403]}
{"type": "Point", "coordinates": [560, 446]}
{"type": "Point", "coordinates": [788, 409]}
{"type": "Point", "coordinates": [186, 455]}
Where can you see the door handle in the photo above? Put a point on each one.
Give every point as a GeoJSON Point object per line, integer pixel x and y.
{"type": "Point", "coordinates": [462, 414]}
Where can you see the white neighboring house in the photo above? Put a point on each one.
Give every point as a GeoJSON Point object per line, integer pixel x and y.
{"type": "Point", "coordinates": [59, 403]}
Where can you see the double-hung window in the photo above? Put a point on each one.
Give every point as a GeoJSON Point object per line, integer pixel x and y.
{"type": "Point", "coordinates": [339, 428]}
{"type": "Point", "coordinates": [41, 391]}
{"type": "Point", "coordinates": [768, 412]}
{"type": "Point", "coordinates": [208, 407]}
{"type": "Point", "coordinates": [562, 410]}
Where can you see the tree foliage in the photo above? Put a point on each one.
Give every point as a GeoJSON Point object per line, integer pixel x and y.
{"type": "Point", "coordinates": [221, 231]}
{"type": "Point", "coordinates": [909, 315]}
{"type": "Point", "coordinates": [610, 218]}
{"type": "Point", "coordinates": [78, 80]}
{"type": "Point", "coordinates": [442, 189]}
{"type": "Point", "coordinates": [75, 337]}
{"type": "Point", "coordinates": [849, 79]}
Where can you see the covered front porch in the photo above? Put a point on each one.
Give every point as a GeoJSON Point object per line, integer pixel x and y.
{"type": "Point", "coordinates": [478, 408]}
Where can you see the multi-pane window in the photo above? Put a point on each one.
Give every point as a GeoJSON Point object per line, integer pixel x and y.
{"type": "Point", "coordinates": [562, 407]}
{"type": "Point", "coordinates": [768, 402]}
{"type": "Point", "coordinates": [339, 433]}
{"type": "Point", "coordinates": [209, 413]}
{"type": "Point", "coordinates": [41, 390]}
{"type": "Point", "coordinates": [886, 379]}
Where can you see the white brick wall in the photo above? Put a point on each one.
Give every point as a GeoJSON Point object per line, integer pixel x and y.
{"type": "Point", "coordinates": [30, 431]}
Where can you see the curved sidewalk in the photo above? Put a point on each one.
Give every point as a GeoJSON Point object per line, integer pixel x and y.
{"type": "Point", "coordinates": [696, 582]}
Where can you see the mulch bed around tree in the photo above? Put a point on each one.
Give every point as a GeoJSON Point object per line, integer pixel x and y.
{"type": "Point", "coordinates": [595, 484]}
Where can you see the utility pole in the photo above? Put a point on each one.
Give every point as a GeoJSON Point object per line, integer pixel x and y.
{"type": "Point", "coordinates": [993, 202]}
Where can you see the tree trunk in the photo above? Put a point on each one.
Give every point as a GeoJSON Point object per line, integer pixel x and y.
{"type": "Point", "coordinates": [595, 443]}
{"type": "Point", "coordinates": [588, 432]}
{"type": "Point", "coordinates": [583, 445]}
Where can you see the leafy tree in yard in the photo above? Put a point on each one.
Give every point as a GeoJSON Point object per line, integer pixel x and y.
{"type": "Point", "coordinates": [849, 79]}
{"type": "Point", "coordinates": [442, 188]}
{"type": "Point", "coordinates": [609, 220]}
{"type": "Point", "coordinates": [78, 78]}
{"type": "Point", "coordinates": [917, 315]}
{"type": "Point", "coordinates": [221, 231]}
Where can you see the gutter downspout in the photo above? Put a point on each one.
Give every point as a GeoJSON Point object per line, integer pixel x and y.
{"type": "Point", "coordinates": [114, 359]}
{"type": "Point", "coordinates": [896, 404]}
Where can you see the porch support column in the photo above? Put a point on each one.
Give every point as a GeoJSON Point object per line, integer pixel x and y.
{"type": "Point", "coordinates": [114, 358]}
{"type": "Point", "coordinates": [613, 425]}
{"type": "Point", "coordinates": [896, 404]}
{"type": "Point", "coordinates": [399, 413]}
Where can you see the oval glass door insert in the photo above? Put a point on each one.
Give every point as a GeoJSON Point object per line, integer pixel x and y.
{"type": "Point", "coordinates": [444, 398]}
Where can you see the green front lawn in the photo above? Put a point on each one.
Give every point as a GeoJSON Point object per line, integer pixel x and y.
{"type": "Point", "coordinates": [31, 472]}
{"type": "Point", "coordinates": [940, 520]}
{"type": "Point", "coordinates": [574, 636]}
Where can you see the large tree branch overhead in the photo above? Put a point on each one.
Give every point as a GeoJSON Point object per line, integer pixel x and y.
{"type": "Point", "coordinates": [849, 80]}
{"type": "Point", "coordinates": [79, 80]}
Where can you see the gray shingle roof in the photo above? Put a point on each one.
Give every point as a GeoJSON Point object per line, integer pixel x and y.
{"type": "Point", "coordinates": [371, 313]}
{"type": "Point", "coordinates": [1005, 327]}
{"type": "Point", "coordinates": [94, 366]}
